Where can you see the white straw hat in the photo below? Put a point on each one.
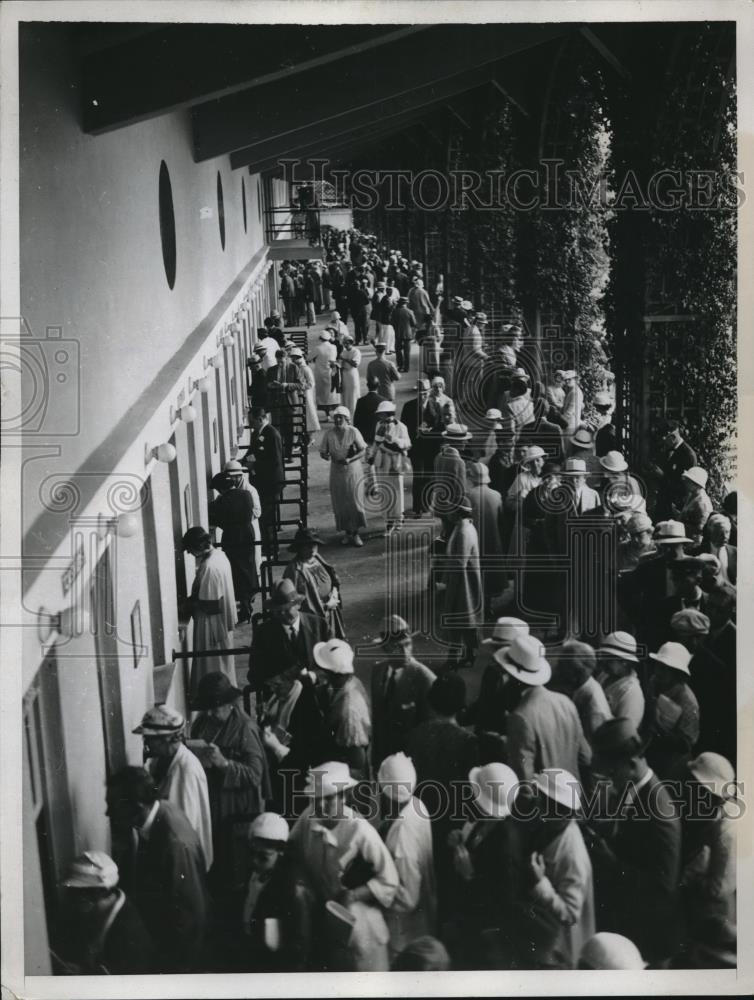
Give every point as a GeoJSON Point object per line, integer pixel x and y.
{"type": "Point", "coordinates": [674, 655]}
{"type": "Point", "coordinates": [560, 786]}
{"type": "Point", "coordinates": [696, 475]}
{"type": "Point", "coordinates": [328, 779]}
{"type": "Point", "coordinates": [397, 777]}
{"type": "Point", "coordinates": [335, 656]}
{"type": "Point", "coordinates": [620, 644]}
{"type": "Point", "coordinates": [525, 660]}
{"type": "Point", "coordinates": [494, 787]}
{"type": "Point", "coordinates": [506, 630]}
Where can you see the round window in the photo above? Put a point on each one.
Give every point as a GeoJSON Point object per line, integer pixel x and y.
{"type": "Point", "coordinates": [220, 209]}
{"type": "Point", "coordinates": [243, 202]}
{"type": "Point", "coordinates": [167, 224]}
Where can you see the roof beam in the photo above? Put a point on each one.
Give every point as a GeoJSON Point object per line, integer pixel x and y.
{"type": "Point", "coordinates": [348, 86]}
{"type": "Point", "coordinates": [177, 65]}
{"type": "Point", "coordinates": [422, 98]}
{"type": "Point", "coordinates": [610, 58]}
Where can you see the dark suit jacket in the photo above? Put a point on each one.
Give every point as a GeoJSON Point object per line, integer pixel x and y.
{"type": "Point", "coordinates": [268, 471]}
{"type": "Point", "coordinates": [272, 651]}
{"type": "Point", "coordinates": [648, 849]}
{"type": "Point", "coordinates": [671, 488]}
{"type": "Point", "coordinates": [166, 882]}
{"type": "Point", "coordinates": [421, 446]}
{"type": "Point", "coordinates": [364, 415]}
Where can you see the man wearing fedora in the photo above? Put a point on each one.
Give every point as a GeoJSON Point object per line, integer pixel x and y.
{"type": "Point", "coordinates": [449, 479]}
{"type": "Point", "coordinates": [400, 685]}
{"type": "Point", "coordinates": [486, 678]}
{"type": "Point", "coordinates": [575, 475]}
{"type": "Point", "coordinates": [264, 458]}
{"type": "Point", "coordinates": [543, 729]}
{"type": "Point", "coordinates": [652, 580]}
{"type": "Point", "coordinates": [638, 864]}
{"type": "Point", "coordinates": [581, 446]}
{"type": "Point", "coordinates": [286, 641]}
{"type": "Point", "coordinates": [421, 451]}
{"type": "Point", "coordinates": [350, 870]}
{"type": "Point", "coordinates": [177, 774]}
{"type": "Point", "coordinates": [618, 662]}
{"type": "Point", "coordinates": [229, 747]}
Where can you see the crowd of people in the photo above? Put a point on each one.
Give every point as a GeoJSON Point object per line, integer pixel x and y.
{"type": "Point", "coordinates": [559, 793]}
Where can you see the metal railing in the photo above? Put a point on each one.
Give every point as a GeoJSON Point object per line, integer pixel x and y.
{"type": "Point", "coordinates": [292, 223]}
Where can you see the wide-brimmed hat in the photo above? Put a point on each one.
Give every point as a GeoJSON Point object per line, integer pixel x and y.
{"type": "Point", "coordinates": [328, 779]}
{"type": "Point", "coordinates": [603, 399]}
{"type": "Point", "coordinates": [92, 870]}
{"type": "Point", "coordinates": [380, 345]}
{"type": "Point", "coordinates": [296, 352]}
{"type": "Point", "coordinates": [525, 660]}
{"type": "Point", "coordinates": [335, 656]}
{"type": "Point", "coordinates": [493, 414]}
{"type": "Point", "coordinates": [689, 621]}
{"type": "Point", "coordinates": [394, 629]}
{"type": "Point", "coordinates": [478, 473]}
{"type": "Point", "coordinates": [673, 655]}
{"type": "Point", "coordinates": [494, 788]}
{"type": "Point", "coordinates": [532, 452]}
{"type": "Point", "coordinates": [716, 771]}
{"type": "Point", "coordinates": [160, 721]}
{"type": "Point", "coordinates": [506, 630]}
{"type": "Point", "coordinates": [568, 373]}
{"type": "Point", "coordinates": [341, 411]}
{"type": "Point", "coordinates": [214, 689]}
{"type": "Point", "coordinates": [456, 432]}
{"type": "Point", "coordinates": [304, 536]}
{"type": "Point", "coordinates": [520, 374]}
{"type": "Point", "coordinates": [386, 406]}
{"type": "Point", "coordinates": [617, 738]}
{"type": "Point", "coordinates": [582, 438]}
{"type": "Point", "coordinates": [325, 335]}
{"type": "Point", "coordinates": [423, 384]}
{"type": "Point", "coordinates": [575, 467]}
{"type": "Point", "coordinates": [260, 349]}
{"type": "Point", "coordinates": [614, 462]}
{"type": "Point", "coordinates": [233, 467]}
{"type": "Point", "coordinates": [620, 644]}
{"type": "Point", "coordinates": [696, 475]}
{"type": "Point", "coordinates": [560, 786]}
{"type": "Point", "coordinates": [222, 481]}
{"type": "Point", "coordinates": [284, 595]}
{"type": "Point", "coordinates": [670, 533]}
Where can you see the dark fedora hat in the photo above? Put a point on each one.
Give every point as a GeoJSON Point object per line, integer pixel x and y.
{"type": "Point", "coordinates": [618, 738]}
{"type": "Point", "coordinates": [222, 481]}
{"type": "Point", "coordinates": [304, 536]}
{"type": "Point", "coordinates": [214, 689]}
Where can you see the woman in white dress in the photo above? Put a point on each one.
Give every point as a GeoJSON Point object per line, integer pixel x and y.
{"type": "Point", "coordinates": [344, 447]}
{"type": "Point", "coordinates": [324, 361]}
{"type": "Point", "coordinates": [389, 456]}
{"type": "Point", "coordinates": [350, 359]}
{"type": "Point", "coordinates": [306, 379]}
{"type": "Point", "coordinates": [213, 606]}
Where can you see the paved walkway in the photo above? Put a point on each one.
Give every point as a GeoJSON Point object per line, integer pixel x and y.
{"type": "Point", "coordinates": [384, 575]}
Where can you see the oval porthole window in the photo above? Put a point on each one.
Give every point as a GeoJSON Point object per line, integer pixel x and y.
{"type": "Point", "coordinates": [243, 202]}
{"type": "Point", "coordinates": [167, 224]}
{"type": "Point", "coordinates": [220, 209]}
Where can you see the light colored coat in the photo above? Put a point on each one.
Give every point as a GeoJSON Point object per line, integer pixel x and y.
{"type": "Point", "coordinates": [185, 785]}
{"type": "Point", "coordinates": [462, 579]}
{"type": "Point", "coordinates": [414, 908]}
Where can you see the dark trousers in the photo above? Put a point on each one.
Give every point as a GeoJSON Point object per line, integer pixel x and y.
{"type": "Point", "coordinates": [361, 327]}
{"type": "Point", "coordinates": [403, 353]}
{"type": "Point", "coordinates": [422, 465]}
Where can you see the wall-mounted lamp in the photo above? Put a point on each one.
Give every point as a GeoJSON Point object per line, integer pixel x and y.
{"type": "Point", "coordinates": [67, 623]}
{"type": "Point", "coordinates": [163, 453]}
{"type": "Point", "coordinates": [214, 362]}
{"type": "Point", "coordinates": [201, 384]}
{"type": "Point", "coordinates": [227, 340]}
{"type": "Point", "coordinates": [124, 525]}
{"type": "Point", "coordinates": [186, 413]}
